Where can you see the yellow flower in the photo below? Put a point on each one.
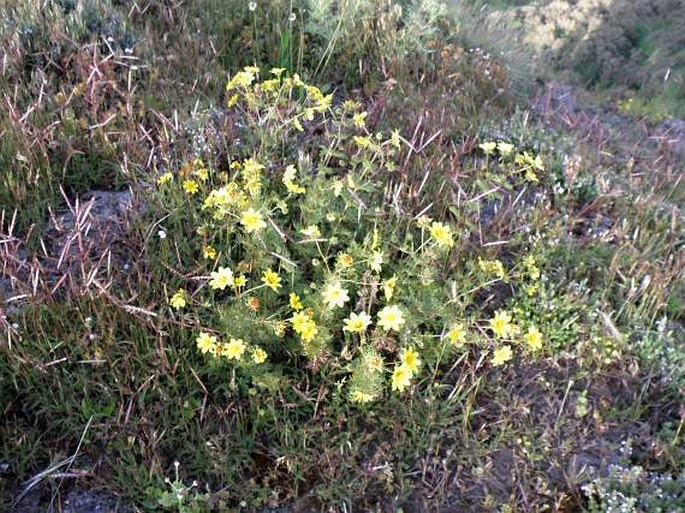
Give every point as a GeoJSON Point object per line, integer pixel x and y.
{"type": "Point", "coordinates": [391, 318]}
{"type": "Point", "coordinates": [251, 174]}
{"type": "Point", "coordinates": [502, 354]}
{"type": "Point", "coordinates": [234, 349]}
{"type": "Point", "coordinates": [165, 179]}
{"type": "Point", "coordinates": [531, 266]}
{"type": "Point", "coordinates": [457, 334]}
{"type": "Point", "coordinates": [202, 173]}
{"type": "Point", "coordinates": [357, 396]}
{"type": "Point", "coordinates": [531, 176]}
{"type": "Point", "coordinates": [259, 355]}
{"type": "Point", "coordinates": [242, 79]}
{"type": "Point", "coordinates": [190, 186]}
{"type": "Point", "coordinates": [289, 181]}
{"type": "Point", "coordinates": [233, 100]}
{"type": "Point", "coordinates": [533, 338]}
{"type": "Point", "coordinates": [290, 173]}
{"type": "Point", "coordinates": [395, 139]}
{"type": "Point", "coordinates": [311, 231]}
{"type": "Point", "coordinates": [277, 71]}
{"type": "Point", "coordinates": [269, 86]}
{"type": "Point", "coordinates": [271, 280]}
{"type": "Point", "coordinates": [309, 331]}
{"type": "Point", "coordinates": [531, 290]}
{"type": "Point", "coordinates": [441, 234]}
{"type": "Point", "coordinates": [357, 323]}
{"type": "Point", "coordinates": [401, 378]}
{"type": "Point", "coordinates": [225, 196]}
{"type": "Point", "coordinates": [501, 324]}
{"type": "Point", "coordinates": [410, 359]}
{"type": "Point", "coordinates": [297, 81]}
{"type": "Point", "coordinates": [206, 343]}
{"type": "Point", "coordinates": [424, 222]}
{"type": "Point", "coordinates": [376, 261]}
{"type": "Point", "coordinates": [376, 239]}
{"type": "Point", "coordinates": [335, 295]}
{"type": "Point", "coordinates": [345, 260]}
{"type": "Point", "coordinates": [359, 118]}
{"type": "Point", "coordinates": [252, 220]}
{"type": "Point", "coordinates": [295, 302]}
{"type": "Point", "coordinates": [209, 252]}
{"type": "Point", "coordinates": [178, 300]}
{"type": "Point", "coordinates": [362, 142]}
{"type": "Point", "coordinates": [488, 147]}
{"type": "Point", "coordinates": [308, 114]}
{"type": "Point", "coordinates": [351, 105]}
{"type": "Point", "coordinates": [299, 320]}
{"type": "Point", "coordinates": [505, 149]}
{"type": "Point", "coordinates": [537, 163]}
{"type": "Point", "coordinates": [389, 287]}
{"type": "Point", "coordinates": [279, 328]}
{"type": "Point", "coordinates": [493, 267]}
{"type": "Point", "coordinates": [221, 279]}
{"type": "Point", "coordinates": [534, 272]}
{"type": "Point", "coordinates": [304, 326]}
{"type": "Point", "coordinates": [324, 103]}
{"type": "Point", "coordinates": [239, 281]}
{"type": "Point", "coordinates": [296, 123]}
{"type": "Point", "coordinates": [375, 363]}
{"type": "Point", "coordinates": [314, 92]}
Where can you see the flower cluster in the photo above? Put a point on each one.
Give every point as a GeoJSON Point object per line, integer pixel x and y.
{"type": "Point", "coordinates": [504, 328]}
{"type": "Point", "coordinates": [523, 162]}
{"type": "Point", "coordinates": [405, 370]}
{"type": "Point", "coordinates": [234, 349]}
{"type": "Point", "coordinates": [296, 260]}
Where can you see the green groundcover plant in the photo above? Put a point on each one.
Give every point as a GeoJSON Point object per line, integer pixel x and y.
{"type": "Point", "coordinates": [297, 265]}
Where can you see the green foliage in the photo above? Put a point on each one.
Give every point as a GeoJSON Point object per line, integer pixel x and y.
{"type": "Point", "coordinates": [179, 497]}
{"type": "Point", "coordinates": [628, 487]}
{"type": "Point", "coordinates": [634, 48]}
{"type": "Point", "coordinates": [330, 297]}
{"type": "Point", "coordinates": [298, 219]}
{"type": "Point", "coordinates": [349, 41]}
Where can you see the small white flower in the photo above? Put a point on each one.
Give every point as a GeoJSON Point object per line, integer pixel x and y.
{"type": "Point", "coordinates": [161, 234]}
{"type": "Point", "coordinates": [292, 17]}
{"type": "Point", "coordinates": [252, 6]}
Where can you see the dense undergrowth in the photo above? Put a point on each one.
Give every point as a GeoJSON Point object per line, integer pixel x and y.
{"type": "Point", "coordinates": [351, 269]}
{"type": "Point", "coordinates": [632, 52]}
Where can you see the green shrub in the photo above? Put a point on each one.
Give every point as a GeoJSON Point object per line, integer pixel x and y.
{"type": "Point", "coordinates": [304, 268]}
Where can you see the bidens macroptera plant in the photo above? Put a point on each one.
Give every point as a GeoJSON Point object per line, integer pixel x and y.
{"type": "Point", "coordinates": [302, 264]}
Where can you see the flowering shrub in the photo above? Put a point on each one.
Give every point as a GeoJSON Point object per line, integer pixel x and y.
{"type": "Point", "coordinates": [299, 262]}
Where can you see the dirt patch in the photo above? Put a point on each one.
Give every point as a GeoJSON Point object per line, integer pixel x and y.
{"type": "Point", "coordinates": [75, 501]}
{"type": "Point", "coordinates": [547, 431]}
{"type": "Point", "coordinates": [559, 105]}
